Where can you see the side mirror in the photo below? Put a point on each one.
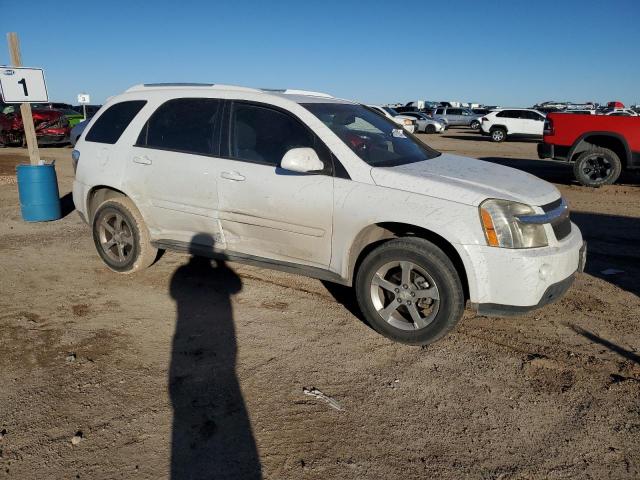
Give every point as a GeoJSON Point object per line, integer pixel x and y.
{"type": "Point", "coordinates": [302, 160]}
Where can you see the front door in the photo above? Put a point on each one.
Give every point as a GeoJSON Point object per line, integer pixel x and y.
{"type": "Point", "coordinates": [173, 166]}
{"type": "Point", "coordinates": [265, 211]}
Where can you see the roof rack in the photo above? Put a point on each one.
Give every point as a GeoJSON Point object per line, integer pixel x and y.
{"type": "Point", "coordinates": [293, 91]}
{"type": "Point", "coordinates": [178, 84]}
{"type": "Point", "coordinates": [284, 91]}
{"type": "Point", "coordinates": [217, 86]}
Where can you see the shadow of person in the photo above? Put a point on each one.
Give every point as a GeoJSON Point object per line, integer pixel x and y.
{"type": "Point", "coordinates": [211, 436]}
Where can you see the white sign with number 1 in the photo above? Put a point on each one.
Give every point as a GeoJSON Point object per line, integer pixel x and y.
{"type": "Point", "coordinates": [23, 85]}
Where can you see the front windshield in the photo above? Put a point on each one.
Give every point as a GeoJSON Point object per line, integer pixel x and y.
{"type": "Point", "coordinates": [390, 111]}
{"type": "Point", "coordinates": [377, 140]}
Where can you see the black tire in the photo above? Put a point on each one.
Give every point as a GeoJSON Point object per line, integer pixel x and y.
{"type": "Point", "coordinates": [475, 125]}
{"type": "Point", "coordinates": [430, 129]}
{"type": "Point", "coordinates": [498, 135]}
{"type": "Point", "coordinates": [131, 235]}
{"type": "Point", "coordinates": [597, 166]}
{"type": "Point", "coordinates": [445, 311]}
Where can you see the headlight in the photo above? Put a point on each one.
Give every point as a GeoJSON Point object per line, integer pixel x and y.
{"type": "Point", "coordinates": [503, 229]}
{"type": "Point", "coordinates": [406, 121]}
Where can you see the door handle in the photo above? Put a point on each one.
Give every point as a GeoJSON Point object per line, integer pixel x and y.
{"type": "Point", "coordinates": [235, 176]}
{"type": "Point", "coordinates": [143, 160]}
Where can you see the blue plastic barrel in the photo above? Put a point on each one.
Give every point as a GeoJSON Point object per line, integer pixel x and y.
{"type": "Point", "coordinates": [38, 189]}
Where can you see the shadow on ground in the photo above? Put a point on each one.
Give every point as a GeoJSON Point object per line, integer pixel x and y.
{"type": "Point", "coordinates": [553, 171]}
{"type": "Point", "coordinates": [66, 205]}
{"type": "Point", "coordinates": [623, 352]}
{"type": "Point", "coordinates": [212, 435]}
{"type": "Point", "coordinates": [612, 244]}
{"type": "Point", "coordinates": [478, 137]}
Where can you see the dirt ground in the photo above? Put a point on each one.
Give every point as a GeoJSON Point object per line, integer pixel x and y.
{"type": "Point", "coordinates": [202, 366]}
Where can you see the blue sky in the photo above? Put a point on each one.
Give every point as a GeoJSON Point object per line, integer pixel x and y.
{"type": "Point", "coordinates": [506, 52]}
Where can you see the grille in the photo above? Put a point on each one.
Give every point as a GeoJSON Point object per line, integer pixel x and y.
{"type": "Point", "coordinates": [562, 229]}
{"type": "Point", "coordinates": [550, 206]}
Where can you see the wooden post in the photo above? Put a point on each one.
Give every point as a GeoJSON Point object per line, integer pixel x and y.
{"type": "Point", "coordinates": [25, 108]}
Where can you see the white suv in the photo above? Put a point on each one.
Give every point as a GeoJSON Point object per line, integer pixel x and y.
{"type": "Point", "coordinates": [512, 122]}
{"type": "Point", "coordinates": [323, 187]}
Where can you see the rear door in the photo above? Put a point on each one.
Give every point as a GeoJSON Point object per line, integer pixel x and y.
{"type": "Point", "coordinates": [454, 115]}
{"type": "Point", "coordinates": [511, 120]}
{"type": "Point", "coordinates": [173, 167]}
{"type": "Point", "coordinates": [100, 141]}
{"type": "Point", "coordinates": [265, 211]}
{"type": "Point", "coordinates": [532, 123]}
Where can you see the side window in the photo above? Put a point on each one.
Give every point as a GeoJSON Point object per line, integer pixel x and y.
{"type": "Point", "coordinates": [454, 111]}
{"type": "Point", "coordinates": [507, 114]}
{"type": "Point", "coordinates": [263, 135]}
{"type": "Point", "coordinates": [439, 111]}
{"type": "Point", "coordinates": [183, 125]}
{"type": "Point", "coordinates": [114, 121]}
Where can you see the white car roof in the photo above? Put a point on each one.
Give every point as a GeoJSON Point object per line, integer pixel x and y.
{"type": "Point", "coordinates": [294, 95]}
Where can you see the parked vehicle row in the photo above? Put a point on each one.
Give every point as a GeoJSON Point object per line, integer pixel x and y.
{"type": "Point", "coordinates": [53, 122]}
{"type": "Point", "coordinates": [52, 127]}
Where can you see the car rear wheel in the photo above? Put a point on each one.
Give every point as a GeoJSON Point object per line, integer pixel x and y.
{"type": "Point", "coordinates": [597, 166]}
{"type": "Point", "coordinates": [498, 135]}
{"type": "Point", "coordinates": [409, 291]}
{"type": "Point", "coordinates": [475, 125]}
{"type": "Point", "coordinates": [121, 236]}
{"type": "Point", "coordinates": [430, 129]}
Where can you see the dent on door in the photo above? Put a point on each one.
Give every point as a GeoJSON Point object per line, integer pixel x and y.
{"type": "Point", "coordinates": [278, 214]}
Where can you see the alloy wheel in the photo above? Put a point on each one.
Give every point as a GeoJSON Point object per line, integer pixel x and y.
{"type": "Point", "coordinates": [405, 295]}
{"type": "Point", "coordinates": [597, 168]}
{"type": "Point", "coordinates": [116, 237]}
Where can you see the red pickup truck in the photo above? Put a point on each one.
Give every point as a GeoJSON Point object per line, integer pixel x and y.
{"type": "Point", "coordinates": [599, 146]}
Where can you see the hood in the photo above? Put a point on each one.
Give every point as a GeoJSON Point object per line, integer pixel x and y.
{"type": "Point", "coordinates": [466, 180]}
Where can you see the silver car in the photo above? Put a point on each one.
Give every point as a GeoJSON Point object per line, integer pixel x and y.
{"type": "Point", "coordinates": [457, 117]}
{"type": "Point", "coordinates": [425, 123]}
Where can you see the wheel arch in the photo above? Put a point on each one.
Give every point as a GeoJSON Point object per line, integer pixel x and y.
{"type": "Point", "coordinates": [498, 126]}
{"type": "Point", "coordinates": [99, 194]}
{"type": "Point", "coordinates": [376, 234]}
{"type": "Point", "coordinates": [611, 140]}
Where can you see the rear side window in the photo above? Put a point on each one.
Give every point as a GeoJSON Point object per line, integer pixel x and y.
{"type": "Point", "coordinates": [114, 121]}
{"type": "Point", "coordinates": [454, 111]}
{"type": "Point", "coordinates": [263, 135]}
{"type": "Point", "coordinates": [183, 125]}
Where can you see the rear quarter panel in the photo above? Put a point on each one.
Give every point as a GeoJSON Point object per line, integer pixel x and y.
{"type": "Point", "coordinates": [570, 127]}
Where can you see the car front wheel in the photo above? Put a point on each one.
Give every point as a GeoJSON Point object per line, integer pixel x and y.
{"type": "Point", "coordinates": [409, 291]}
{"type": "Point", "coordinates": [121, 236]}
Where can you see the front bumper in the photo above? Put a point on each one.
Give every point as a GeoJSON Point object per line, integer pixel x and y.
{"type": "Point", "coordinates": [553, 293]}
{"type": "Point", "coordinates": [520, 280]}
{"type": "Point", "coordinates": [545, 150]}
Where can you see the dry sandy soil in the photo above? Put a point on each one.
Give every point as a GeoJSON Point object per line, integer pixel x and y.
{"type": "Point", "coordinates": [202, 366]}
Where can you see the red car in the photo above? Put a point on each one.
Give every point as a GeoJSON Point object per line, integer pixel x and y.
{"type": "Point", "coordinates": [52, 128]}
{"type": "Point", "coordinates": [600, 146]}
